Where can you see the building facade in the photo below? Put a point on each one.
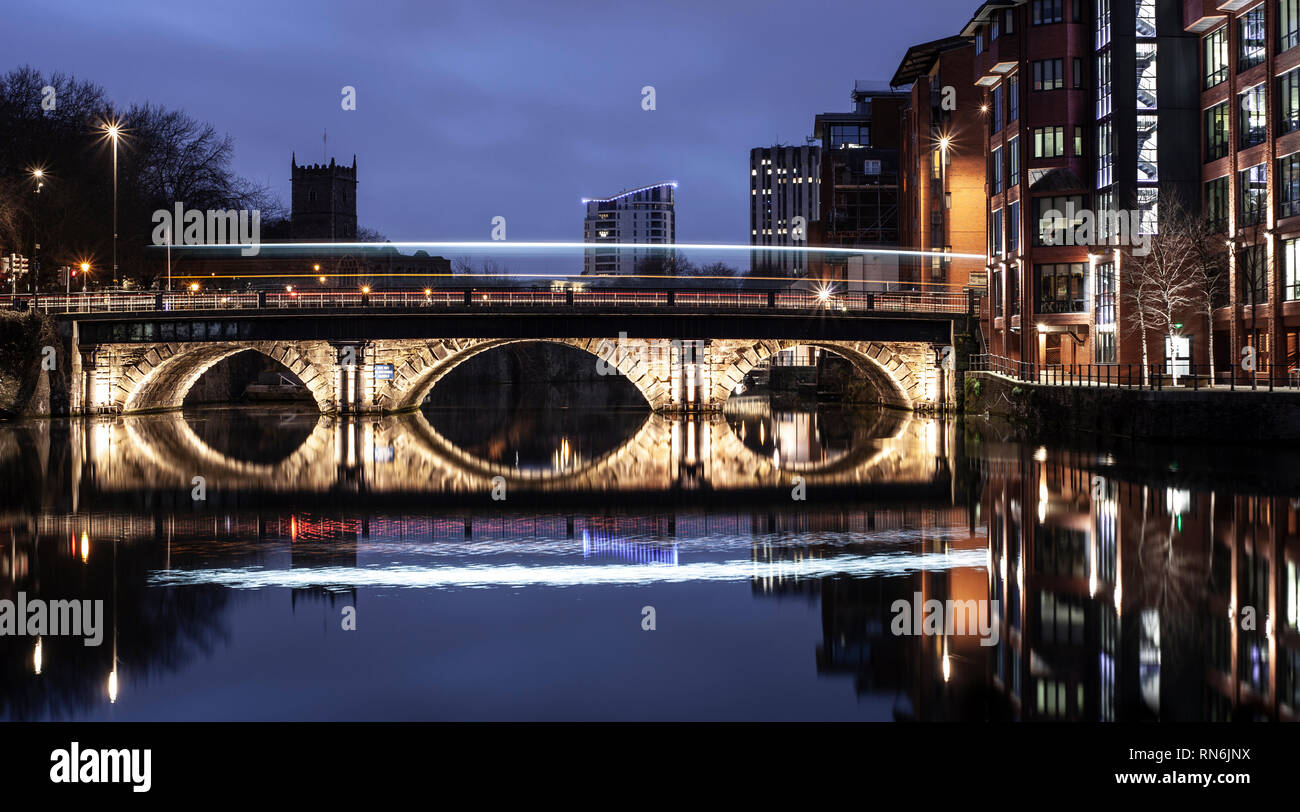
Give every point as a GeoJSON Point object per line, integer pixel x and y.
{"type": "Point", "coordinates": [1076, 94]}
{"type": "Point", "coordinates": [859, 189]}
{"type": "Point", "coordinates": [942, 195]}
{"type": "Point", "coordinates": [640, 216]}
{"type": "Point", "coordinates": [1249, 84]}
{"type": "Point", "coordinates": [784, 186]}
{"type": "Point", "coordinates": [323, 201]}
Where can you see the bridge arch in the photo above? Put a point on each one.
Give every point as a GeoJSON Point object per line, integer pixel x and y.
{"type": "Point", "coordinates": [897, 378]}
{"type": "Point", "coordinates": [417, 374]}
{"type": "Point", "coordinates": [165, 373]}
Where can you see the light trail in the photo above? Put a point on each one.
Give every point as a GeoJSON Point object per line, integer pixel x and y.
{"type": "Point", "coordinates": [499, 244]}
{"type": "Point", "coordinates": [471, 276]}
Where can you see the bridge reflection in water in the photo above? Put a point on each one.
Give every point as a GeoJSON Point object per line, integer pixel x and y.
{"type": "Point", "coordinates": [1114, 586]}
{"type": "Point", "coordinates": [406, 454]}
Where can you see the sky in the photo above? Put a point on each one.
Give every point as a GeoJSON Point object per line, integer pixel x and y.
{"type": "Point", "coordinates": [466, 111]}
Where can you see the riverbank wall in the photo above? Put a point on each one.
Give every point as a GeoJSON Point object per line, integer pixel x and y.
{"type": "Point", "coordinates": [1213, 415]}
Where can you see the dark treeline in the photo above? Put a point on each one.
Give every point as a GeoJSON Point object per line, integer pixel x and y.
{"type": "Point", "coordinates": [164, 156]}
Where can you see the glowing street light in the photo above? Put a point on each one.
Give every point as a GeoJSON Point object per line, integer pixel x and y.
{"type": "Point", "coordinates": [38, 177]}
{"type": "Point", "coordinates": [113, 131]}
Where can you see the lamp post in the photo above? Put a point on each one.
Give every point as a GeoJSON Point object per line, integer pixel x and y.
{"type": "Point", "coordinates": [38, 176]}
{"type": "Point", "coordinates": [113, 131]}
{"type": "Point", "coordinates": [85, 274]}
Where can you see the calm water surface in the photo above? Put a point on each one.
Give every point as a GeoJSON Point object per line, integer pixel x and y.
{"type": "Point", "coordinates": [769, 546]}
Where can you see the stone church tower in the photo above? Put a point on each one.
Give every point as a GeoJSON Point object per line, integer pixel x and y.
{"type": "Point", "coordinates": [324, 202]}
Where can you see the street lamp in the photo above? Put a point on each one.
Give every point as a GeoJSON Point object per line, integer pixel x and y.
{"type": "Point", "coordinates": [85, 276]}
{"type": "Point", "coordinates": [38, 176]}
{"type": "Point", "coordinates": [113, 131]}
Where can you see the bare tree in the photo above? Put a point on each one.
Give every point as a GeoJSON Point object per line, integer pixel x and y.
{"type": "Point", "coordinates": [1158, 286]}
{"type": "Point", "coordinates": [1209, 267]}
{"type": "Point", "coordinates": [1252, 261]}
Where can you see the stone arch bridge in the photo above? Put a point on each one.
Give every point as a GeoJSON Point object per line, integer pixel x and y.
{"type": "Point", "coordinates": [681, 355]}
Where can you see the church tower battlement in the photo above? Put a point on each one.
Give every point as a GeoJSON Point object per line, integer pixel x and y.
{"type": "Point", "coordinates": [324, 201]}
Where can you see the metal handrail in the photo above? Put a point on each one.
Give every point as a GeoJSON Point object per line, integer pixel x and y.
{"type": "Point", "coordinates": [967, 304]}
{"type": "Point", "coordinates": [1183, 375]}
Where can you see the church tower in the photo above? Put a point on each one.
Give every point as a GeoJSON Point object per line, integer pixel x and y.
{"type": "Point", "coordinates": [324, 202]}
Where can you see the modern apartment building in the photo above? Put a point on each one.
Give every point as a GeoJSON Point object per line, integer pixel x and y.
{"type": "Point", "coordinates": [942, 195]}
{"type": "Point", "coordinates": [784, 199]}
{"type": "Point", "coordinates": [1077, 92]}
{"type": "Point", "coordinates": [639, 216]}
{"type": "Point", "coordinates": [859, 188]}
{"type": "Point", "coordinates": [1249, 84]}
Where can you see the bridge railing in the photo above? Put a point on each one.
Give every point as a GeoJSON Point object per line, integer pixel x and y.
{"type": "Point", "coordinates": [856, 302]}
{"type": "Point", "coordinates": [1182, 375]}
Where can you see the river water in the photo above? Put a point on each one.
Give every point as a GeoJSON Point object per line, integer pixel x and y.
{"type": "Point", "coordinates": [775, 563]}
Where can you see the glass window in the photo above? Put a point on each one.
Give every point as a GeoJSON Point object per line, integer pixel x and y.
{"type": "Point", "coordinates": [1106, 282]}
{"type": "Point", "coordinates": [1049, 142]}
{"type": "Point", "coordinates": [1053, 228]}
{"type": "Point", "coordinates": [997, 108]}
{"type": "Point", "coordinates": [1105, 154]}
{"type": "Point", "coordinates": [1147, 169]}
{"type": "Point", "coordinates": [1013, 228]}
{"type": "Point", "coordinates": [1013, 156]}
{"type": "Point", "coordinates": [1103, 85]}
{"type": "Point", "coordinates": [1146, 18]}
{"type": "Point", "coordinates": [1251, 37]}
{"type": "Point", "coordinates": [1288, 102]}
{"type": "Point", "coordinates": [1105, 204]}
{"type": "Point", "coordinates": [996, 229]}
{"type": "Point", "coordinates": [1291, 276]}
{"type": "Point", "coordinates": [1060, 287]}
{"type": "Point", "coordinates": [1216, 56]}
{"type": "Point", "coordinates": [1288, 24]}
{"type": "Point", "coordinates": [1046, 11]}
{"type": "Point", "coordinates": [1252, 274]}
{"type": "Point", "coordinates": [1146, 76]}
{"type": "Point", "coordinates": [995, 171]}
{"type": "Point", "coordinates": [1288, 186]}
{"type": "Point", "coordinates": [1013, 98]}
{"type": "Point", "coordinates": [1047, 75]}
{"type": "Point", "coordinates": [1217, 207]}
{"type": "Point", "coordinates": [1148, 211]}
{"type": "Point", "coordinates": [850, 135]}
{"type": "Point", "coordinates": [1103, 23]}
{"type": "Point", "coordinates": [1216, 131]}
{"type": "Point", "coordinates": [1252, 118]}
{"type": "Point", "coordinates": [1253, 183]}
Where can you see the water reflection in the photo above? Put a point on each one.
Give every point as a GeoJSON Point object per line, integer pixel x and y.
{"type": "Point", "coordinates": [61, 465]}
{"type": "Point", "coordinates": [1123, 591]}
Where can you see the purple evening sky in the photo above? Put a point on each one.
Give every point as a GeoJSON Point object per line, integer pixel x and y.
{"type": "Point", "coordinates": [468, 110]}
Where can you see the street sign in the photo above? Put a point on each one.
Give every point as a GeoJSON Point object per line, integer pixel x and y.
{"type": "Point", "coordinates": [383, 372]}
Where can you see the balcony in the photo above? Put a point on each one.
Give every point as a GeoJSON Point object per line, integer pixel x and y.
{"type": "Point", "coordinates": [1200, 16]}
